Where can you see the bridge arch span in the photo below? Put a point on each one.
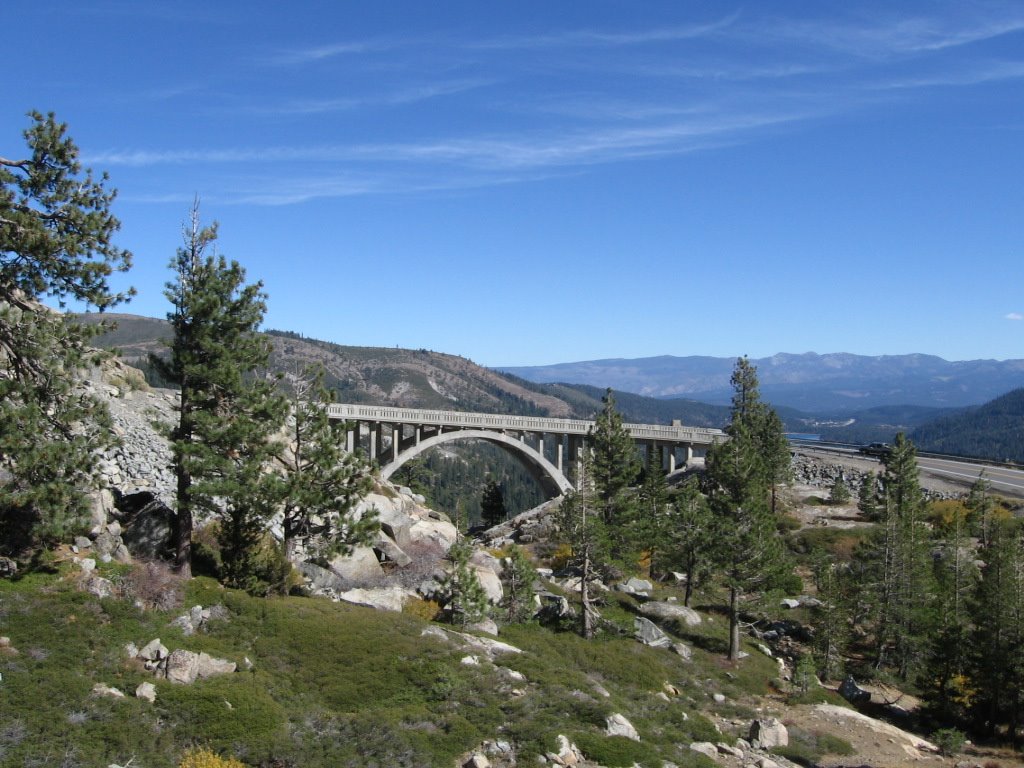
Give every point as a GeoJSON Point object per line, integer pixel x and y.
{"type": "Point", "coordinates": [550, 477]}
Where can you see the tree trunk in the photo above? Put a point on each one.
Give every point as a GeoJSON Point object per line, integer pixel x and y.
{"type": "Point", "coordinates": [183, 526]}
{"type": "Point", "coordinates": [587, 619]}
{"type": "Point", "coordinates": [690, 572]}
{"type": "Point", "coordinates": [734, 624]}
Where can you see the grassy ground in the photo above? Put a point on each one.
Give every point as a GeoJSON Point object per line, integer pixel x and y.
{"type": "Point", "coordinates": [336, 685]}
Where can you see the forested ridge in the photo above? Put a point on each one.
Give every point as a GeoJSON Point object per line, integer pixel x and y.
{"type": "Point", "coordinates": [991, 431]}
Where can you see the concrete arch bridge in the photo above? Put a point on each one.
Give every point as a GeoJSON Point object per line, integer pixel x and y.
{"type": "Point", "coordinates": [550, 448]}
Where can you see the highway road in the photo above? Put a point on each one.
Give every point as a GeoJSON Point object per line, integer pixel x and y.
{"type": "Point", "coordinates": [1004, 481]}
{"type": "Point", "coordinates": [957, 472]}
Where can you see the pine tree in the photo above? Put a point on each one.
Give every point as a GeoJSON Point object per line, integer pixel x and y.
{"type": "Point", "coordinates": [832, 617]}
{"type": "Point", "coordinates": [464, 597]}
{"type": "Point", "coordinates": [228, 413]}
{"type": "Point", "coordinates": [997, 677]}
{"type": "Point", "coordinates": [899, 577]}
{"type": "Point", "coordinates": [982, 507]}
{"type": "Point", "coordinates": [867, 497]}
{"type": "Point", "coordinates": [652, 508]}
{"type": "Point", "coordinates": [582, 527]}
{"type": "Point", "coordinates": [685, 533]}
{"type": "Point", "coordinates": [749, 555]}
{"type": "Point", "coordinates": [518, 576]}
{"type": "Point", "coordinates": [323, 481]}
{"type": "Point", "coordinates": [615, 467]}
{"type": "Point", "coordinates": [56, 231]}
{"type": "Point", "coordinates": [944, 678]}
{"type": "Point", "coordinates": [839, 493]}
{"type": "Point", "coordinates": [492, 505]}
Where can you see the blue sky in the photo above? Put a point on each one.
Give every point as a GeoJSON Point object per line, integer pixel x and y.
{"type": "Point", "coordinates": [529, 183]}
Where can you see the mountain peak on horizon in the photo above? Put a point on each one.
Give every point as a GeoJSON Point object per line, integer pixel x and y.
{"type": "Point", "coordinates": [808, 380]}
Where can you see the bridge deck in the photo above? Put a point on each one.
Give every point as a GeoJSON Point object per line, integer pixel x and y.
{"type": "Point", "coordinates": [387, 414]}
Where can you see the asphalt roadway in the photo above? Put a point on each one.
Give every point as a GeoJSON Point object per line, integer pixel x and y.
{"type": "Point", "coordinates": [954, 473]}
{"type": "Point", "coordinates": [1003, 480]}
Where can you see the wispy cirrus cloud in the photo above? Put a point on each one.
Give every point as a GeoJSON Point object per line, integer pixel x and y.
{"type": "Point", "coordinates": [539, 150]}
{"type": "Point", "coordinates": [400, 97]}
{"type": "Point", "coordinates": [884, 38]}
{"type": "Point", "coordinates": [605, 39]}
{"type": "Point", "coordinates": [986, 73]}
{"type": "Point", "coordinates": [308, 55]}
{"type": "Point", "coordinates": [1014, 316]}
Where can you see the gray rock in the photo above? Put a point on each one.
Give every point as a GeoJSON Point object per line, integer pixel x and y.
{"type": "Point", "coordinates": [384, 599]}
{"type": "Point", "coordinates": [8, 568]}
{"type": "Point", "coordinates": [390, 550]}
{"type": "Point", "coordinates": [99, 586]}
{"type": "Point", "coordinates": [184, 623]}
{"type": "Point", "coordinates": [146, 691]}
{"type": "Point", "coordinates": [147, 526]}
{"type": "Point", "coordinates": [768, 733]}
{"type": "Point", "coordinates": [487, 626]}
{"type": "Point", "coordinates": [647, 632]}
{"type": "Point", "coordinates": [210, 666]}
{"type": "Point", "coordinates": [320, 579]}
{"type": "Point", "coordinates": [685, 651]}
{"type": "Point", "coordinates": [360, 567]}
{"type": "Point", "coordinates": [182, 666]}
{"type": "Point", "coordinates": [705, 748]}
{"type": "Point", "coordinates": [154, 650]}
{"type": "Point", "coordinates": [635, 586]}
{"type": "Point", "coordinates": [187, 667]}
{"type": "Point", "coordinates": [617, 725]}
{"type": "Point", "coordinates": [789, 602]}
{"type": "Point", "coordinates": [728, 749]}
{"type": "Point", "coordinates": [102, 689]}
{"type": "Point", "coordinates": [660, 610]}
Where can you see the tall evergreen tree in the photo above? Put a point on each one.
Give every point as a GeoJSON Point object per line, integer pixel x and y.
{"type": "Point", "coordinates": [229, 413]}
{"type": "Point", "coordinates": [56, 243]}
{"type": "Point", "coordinates": [749, 554]}
{"type": "Point", "coordinates": [832, 617]}
{"type": "Point", "coordinates": [652, 508]}
{"type": "Point", "coordinates": [982, 507]}
{"type": "Point", "coordinates": [998, 640]}
{"type": "Point", "coordinates": [899, 577]}
{"type": "Point", "coordinates": [944, 678]}
{"type": "Point", "coordinates": [685, 535]}
{"type": "Point", "coordinates": [492, 505]}
{"type": "Point", "coordinates": [615, 467]}
{"type": "Point", "coordinates": [868, 497]}
{"type": "Point", "coordinates": [323, 481]}
{"type": "Point", "coordinates": [518, 576]}
{"type": "Point", "coordinates": [464, 597]}
{"type": "Point", "coordinates": [582, 527]}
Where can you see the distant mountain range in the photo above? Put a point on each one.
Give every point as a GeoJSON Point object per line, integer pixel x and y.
{"type": "Point", "coordinates": [832, 383]}
{"type": "Point", "coordinates": [427, 379]}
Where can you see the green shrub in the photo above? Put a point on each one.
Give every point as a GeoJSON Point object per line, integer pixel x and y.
{"type": "Point", "coordinates": [614, 751]}
{"type": "Point", "coordinates": [949, 741]}
{"type": "Point", "coordinates": [224, 711]}
{"type": "Point", "coordinates": [808, 747]}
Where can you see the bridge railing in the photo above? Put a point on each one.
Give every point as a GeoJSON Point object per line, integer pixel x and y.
{"type": "Point", "coordinates": [357, 412]}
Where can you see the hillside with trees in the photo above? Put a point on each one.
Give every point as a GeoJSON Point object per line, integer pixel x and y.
{"type": "Point", "coordinates": [994, 431]}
